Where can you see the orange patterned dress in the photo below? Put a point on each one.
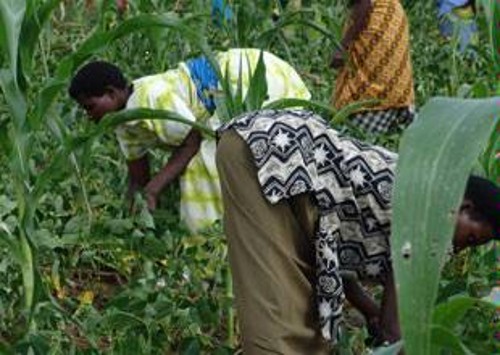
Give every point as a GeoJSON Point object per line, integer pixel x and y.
{"type": "Point", "coordinates": [379, 64]}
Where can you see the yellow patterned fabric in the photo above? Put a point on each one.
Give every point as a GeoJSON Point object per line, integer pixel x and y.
{"type": "Point", "coordinates": [175, 91]}
{"type": "Point", "coordinates": [379, 64]}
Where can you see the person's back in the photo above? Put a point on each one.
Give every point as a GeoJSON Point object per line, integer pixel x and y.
{"type": "Point", "coordinates": [282, 79]}
{"type": "Point", "coordinates": [307, 213]}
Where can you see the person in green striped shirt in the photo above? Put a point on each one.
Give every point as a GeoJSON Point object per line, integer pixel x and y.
{"type": "Point", "coordinates": [100, 88]}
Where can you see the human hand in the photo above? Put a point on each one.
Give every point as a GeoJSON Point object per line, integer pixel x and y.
{"type": "Point", "coordinates": [338, 58]}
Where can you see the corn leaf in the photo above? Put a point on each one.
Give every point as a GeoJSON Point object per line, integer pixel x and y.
{"type": "Point", "coordinates": [492, 10]}
{"type": "Point", "coordinates": [12, 14]}
{"type": "Point", "coordinates": [257, 89]}
{"type": "Point", "coordinates": [35, 19]}
{"type": "Point", "coordinates": [445, 341]}
{"type": "Point", "coordinates": [436, 156]}
{"type": "Point", "coordinates": [14, 97]}
{"type": "Point", "coordinates": [449, 313]}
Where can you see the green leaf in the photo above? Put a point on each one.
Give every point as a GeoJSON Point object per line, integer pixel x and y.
{"type": "Point", "coordinates": [122, 320]}
{"type": "Point", "coordinates": [437, 153]}
{"type": "Point", "coordinates": [12, 14]}
{"type": "Point", "coordinates": [444, 339]}
{"type": "Point", "coordinates": [115, 119]}
{"type": "Point", "coordinates": [449, 313]}
{"type": "Point", "coordinates": [10, 242]}
{"type": "Point", "coordinates": [31, 29]}
{"type": "Point", "coordinates": [342, 115]}
{"type": "Point", "coordinates": [257, 89]}
{"type": "Point", "coordinates": [490, 160]}
{"type": "Point", "coordinates": [14, 97]}
{"type": "Point", "coordinates": [307, 104]}
{"type": "Point", "coordinates": [492, 10]}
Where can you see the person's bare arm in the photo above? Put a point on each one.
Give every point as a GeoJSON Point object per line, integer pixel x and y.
{"type": "Point", "coordinates": [360, 14]}
{"type": "Point", "coordinates": [173, 168]}
{"type": "Point", "coordinates": [364, 303]}
{"type": "Point", "coordinates": [389, 318]}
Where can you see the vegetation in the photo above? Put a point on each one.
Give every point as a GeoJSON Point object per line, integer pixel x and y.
{"type": "Point", "coordinates": [79, 274]}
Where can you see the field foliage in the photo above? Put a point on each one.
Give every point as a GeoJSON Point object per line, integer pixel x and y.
{"type": "Point", "coordinates": [80, 274]}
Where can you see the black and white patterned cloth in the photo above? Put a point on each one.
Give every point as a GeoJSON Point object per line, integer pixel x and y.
{"type": "Point", "coordinates": [383, 121]}
{"type": "Point", "coordinates": [297, 152]}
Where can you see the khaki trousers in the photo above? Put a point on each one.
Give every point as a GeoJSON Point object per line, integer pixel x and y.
{"type": "Point", "coordinates": [271, 255]}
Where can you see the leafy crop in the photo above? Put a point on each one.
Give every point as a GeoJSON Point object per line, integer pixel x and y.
{"type": "Point", "coordinates": [78, 274]}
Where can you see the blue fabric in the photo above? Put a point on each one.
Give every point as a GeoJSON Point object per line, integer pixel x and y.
{"type": "Point", "coordinates": [445, 6]}
{"type": "Point", "coordinates": [205, 78]}
{"type": "Point", "coordinates": [451, 25]}
{"type": "Point", "coordinates": [465, 31]}
{"type": "Point", "coordinates": [221, 11]}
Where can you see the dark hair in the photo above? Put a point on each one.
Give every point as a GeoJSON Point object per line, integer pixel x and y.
{"type": "Point", "coordinates": [93, 78]}
{"type": "Point", "coordinates": [485, 195]}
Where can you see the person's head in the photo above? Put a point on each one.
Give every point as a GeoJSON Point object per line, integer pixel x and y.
{"type": "Point", "coordinates": [478, 220]}
{"type": "Point", "coordinates": [99, 87]}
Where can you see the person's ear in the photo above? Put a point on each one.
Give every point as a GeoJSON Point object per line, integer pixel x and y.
{"type": "Point", "coordinates": [111, 91]}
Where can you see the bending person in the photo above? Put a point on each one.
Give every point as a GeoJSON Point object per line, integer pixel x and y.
{"type": "Point", "coordinates": [101, 88]}
{"type": "Point", "coordinates": [307, 211]}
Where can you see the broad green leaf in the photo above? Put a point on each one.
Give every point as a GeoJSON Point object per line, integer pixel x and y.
{"type": "Point", "coordinates": [122, 320]}
{"type": "Point", "coordinates": [235, 98]}
{"type": "Point", "coordinates": [8, 239]}
{"type": "Point", "coordinates": [437, 153]}
{"type": "Point", "coordinates": [444, 340]}
{"type": "Point", "coordinates": [14, 97]}
{"type": "Point", "coordinates": [32, 26]}
{"type": "Point", "coordinates": [46, 98]}
{"type": "Point", "coordinates": [27, 264]}
{"type": "Point", "coordinates": [5, 143]}
{"type": "Point", "coordinates": [449, 313]}
{"type": "Point", "coordinates": [257, 89]}
{"type": "Point", "coordinates": [314, 106]}
{"type": "Point", "coordinates": [12, 14]}
{"type": "Point", "coordinates": [491, 158]}
{"type": "Point", "coordinates": [492, 10]}
{"type": "Point", "coordinates": [115, 119]}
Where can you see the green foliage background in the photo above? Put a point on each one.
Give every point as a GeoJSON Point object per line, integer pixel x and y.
{"type": "Point", "coordinates": [93, 279]}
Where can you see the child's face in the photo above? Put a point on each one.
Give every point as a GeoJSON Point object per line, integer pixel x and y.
{"type": "Point", "coordinates": [471, 231]}
{"type": "Point", "coordinates": [97, 106]}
